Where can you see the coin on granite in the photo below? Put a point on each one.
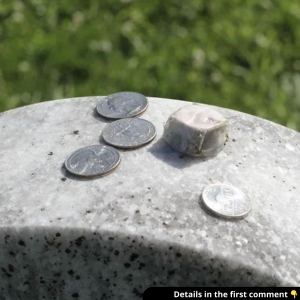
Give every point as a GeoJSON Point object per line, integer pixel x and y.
{"type": "Point", "coordinates": [122, 105]}
{"type": "Point", "coordinates": [129, 133]}
{"type": "Point", "coordinates": [226, 201]}
{"type": "Point", "coordinates": [93, 161]}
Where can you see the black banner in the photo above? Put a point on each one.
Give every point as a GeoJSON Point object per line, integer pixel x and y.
{"type": "Point", "coordinates": [220, 293]}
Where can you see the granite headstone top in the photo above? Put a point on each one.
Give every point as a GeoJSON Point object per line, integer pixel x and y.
{"type": "Point", "coordinates": [144, 224]}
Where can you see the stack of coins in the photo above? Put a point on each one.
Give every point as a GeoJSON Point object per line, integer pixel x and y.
{"type": "Point", "coordinates": [125, 133]}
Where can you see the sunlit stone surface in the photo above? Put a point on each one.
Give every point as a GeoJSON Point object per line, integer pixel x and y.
{"type": "Point", "coordinates": [62, 237]}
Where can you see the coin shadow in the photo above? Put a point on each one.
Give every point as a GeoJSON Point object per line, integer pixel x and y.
{"type": "Point", "coordinates": [99, 118]}
{"type": "Point", "coordinates": [101, 139]}
{"type": "Point", "coordinates": [68, 175]}
{"type": "Point", "coordinates": [162, 151]}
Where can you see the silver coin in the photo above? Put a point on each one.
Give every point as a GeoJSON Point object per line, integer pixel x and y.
{"type": "Point", "coordinates": [122, 105]}
{"type": "Point", "coordinates": [129, 133]}
{"type": "Point", "coordinates": [226, 201]}
{"type": "Point", "coordinates": [92, 161]}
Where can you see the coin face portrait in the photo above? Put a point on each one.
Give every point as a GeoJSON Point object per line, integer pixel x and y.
{"type": "Point", "coordinates": [122, 105]}
{"type": "Point", "coordinates": [129, 133]}
{"type": "Point", "coordinates": [93, 161]}
{"type": "Point", "coordinates": [226, 201]}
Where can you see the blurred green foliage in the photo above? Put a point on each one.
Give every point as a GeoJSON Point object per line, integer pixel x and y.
{"type": "Point", "coordinates": [239, 54]}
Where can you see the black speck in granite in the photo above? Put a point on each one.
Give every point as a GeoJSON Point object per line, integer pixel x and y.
{"type": "Point", "coordinates": [75, 295]}
{"type": "Point", "coordinates": [22, 243]}
{"type": "Point", "coordinates": [79, 241]}
{"type": "Point", "coordinates": [128, 278]}
{"type": "Point", "coordinates": [96, 263]}
{"type": "Point", "coordinates": [11, 268]}
{"type": "Point", "coordinates": [133, 256]}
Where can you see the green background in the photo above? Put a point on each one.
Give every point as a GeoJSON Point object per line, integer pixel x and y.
{"type": "Point", "coordinates": [239, 54]}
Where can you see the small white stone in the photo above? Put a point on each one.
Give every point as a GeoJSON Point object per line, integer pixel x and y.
{"type": "Point", "coordinates": [196, 131]}
{"type": "Point", "coordinates": [289, 147]}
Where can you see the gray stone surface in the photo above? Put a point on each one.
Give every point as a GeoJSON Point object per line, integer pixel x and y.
{"type": "Point", "coordinates": [110, 238]}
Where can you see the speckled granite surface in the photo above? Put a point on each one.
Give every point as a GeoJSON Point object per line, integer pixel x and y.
{"type": "Point", "coordinates": [141, 226]}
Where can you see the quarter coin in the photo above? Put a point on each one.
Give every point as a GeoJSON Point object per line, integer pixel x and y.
{"type": "Point", "coordinates": [129, 133]}
{"type": "Point", "coordinates": [122, 105]}
{"type": "Point", "coordinates": [226, 201]}
{"type": "Point", "coordinates": [93, 161]}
